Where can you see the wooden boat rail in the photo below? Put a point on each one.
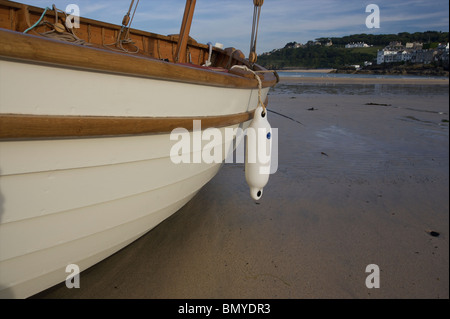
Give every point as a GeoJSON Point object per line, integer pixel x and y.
{"type": "Point", "coordinates": [18, 17]}
{"type": "Point", "coordinates": [155, 59]}
{"type": "Point", "coordinates": [18, 126]}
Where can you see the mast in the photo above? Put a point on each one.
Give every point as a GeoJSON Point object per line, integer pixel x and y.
{"type": "Point", "coordinates": [256, 13]}
{"type": "Point", "coordinates": [180, 53]}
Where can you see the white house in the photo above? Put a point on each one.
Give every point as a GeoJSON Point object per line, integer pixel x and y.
{"type": "Point", "coordinates": [417, 56]}
{"type": "Point", "coordinates": [385, 56]}
{"type": "Point", "coordinates": [356, 45]}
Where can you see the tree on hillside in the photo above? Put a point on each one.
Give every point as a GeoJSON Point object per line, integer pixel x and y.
{"type": "Point", "coordinates": [336, 56]}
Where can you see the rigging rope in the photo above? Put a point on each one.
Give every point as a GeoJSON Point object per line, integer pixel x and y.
{"type": "Point", "coordinates": [38, 21]}
{"type": "Point", "coordinates": [125, 31]}
{"type": "Point", "coordinates": [58, 29]}
{"type": "Point", "coordinates": [255, 25]}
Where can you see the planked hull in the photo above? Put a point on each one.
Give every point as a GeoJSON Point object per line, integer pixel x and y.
{"type": "Point", "coordinates": [78, 200]}
{"type": "Point", "coordinates": [80, 215]}
{"type": "Point", "coordinates": [85, 143]}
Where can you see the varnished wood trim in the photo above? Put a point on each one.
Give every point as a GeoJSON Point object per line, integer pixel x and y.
{"type": "Point", "coordinates": [18, 46]}
{"type": "Point", "coordinates": [19, 12]}
{"type": "Point", "coordinates": [19, 126]}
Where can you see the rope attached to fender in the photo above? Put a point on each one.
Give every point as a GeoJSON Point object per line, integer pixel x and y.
{"type": "Point", "coordinates": [245, 68]}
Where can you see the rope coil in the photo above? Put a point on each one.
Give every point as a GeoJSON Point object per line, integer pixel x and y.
{"type": "Point", "coordinates": [59, 30]}
{"type": "Point", "coordinates": [124, 34]}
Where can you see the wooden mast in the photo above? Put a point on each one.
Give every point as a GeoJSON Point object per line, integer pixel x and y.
{"type": "Point", "coordinates": [180, 53]}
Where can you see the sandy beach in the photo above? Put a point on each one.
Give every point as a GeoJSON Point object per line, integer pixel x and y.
{"type": "Point", "coordinates": [362, 179]}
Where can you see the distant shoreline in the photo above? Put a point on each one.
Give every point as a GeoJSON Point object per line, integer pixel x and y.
{"type": "Point", "coordinates": [308, 70]}
{"type": "Point", "coordinates": [388, 71]}
{"type": "Point", "coordinates": [344, 80]}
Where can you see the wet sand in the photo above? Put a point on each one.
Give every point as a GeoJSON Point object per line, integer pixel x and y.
{"type": "Point", "coordinates": [363, 180]}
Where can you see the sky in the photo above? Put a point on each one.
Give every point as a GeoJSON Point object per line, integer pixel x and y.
{"type": "Point", "coordinates": [230, 21]}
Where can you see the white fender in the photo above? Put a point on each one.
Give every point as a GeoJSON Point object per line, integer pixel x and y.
{"type": "Point", "coordinates": [258, 153]}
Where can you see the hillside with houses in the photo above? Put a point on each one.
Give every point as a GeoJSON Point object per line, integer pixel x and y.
{"type": "Point", "coordinates": [413, 52]}
{"type": "Point", "coordinates": [403, 52]}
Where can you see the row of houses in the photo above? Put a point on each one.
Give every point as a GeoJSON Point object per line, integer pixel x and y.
{"type": "Point", "coordinates": [295, 45]}
{"type": "Point", "coordinates": [357, 45]}
{"type": "Point", "coordinates": [413, 53]}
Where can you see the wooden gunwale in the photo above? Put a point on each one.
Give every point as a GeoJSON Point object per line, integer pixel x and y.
{"type": "Point", "coordinates": [27, 48]}
{"type": "Point", "coordinates": [17, 46]}
{"type": "Point", "coordinates": [154, 47]}
{"type": "Point", "coordinates": [22, 126]}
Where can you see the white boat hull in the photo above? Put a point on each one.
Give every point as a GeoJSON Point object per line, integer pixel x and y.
{"type": "Point", "coordinates": [76, 92]}
{"type": "Point", "coordinates": [77, 201]}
